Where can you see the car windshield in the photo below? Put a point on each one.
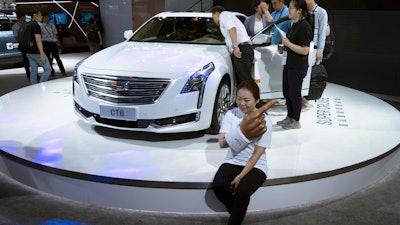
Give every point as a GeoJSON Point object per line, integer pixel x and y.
{"type": "Point", "coordinates": [180, 30]}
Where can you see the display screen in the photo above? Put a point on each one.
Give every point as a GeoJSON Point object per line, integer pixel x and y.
{"type": "Point", "coordinates": [58, 18]}
{"type": "Point", "coordinates": [85, 17]}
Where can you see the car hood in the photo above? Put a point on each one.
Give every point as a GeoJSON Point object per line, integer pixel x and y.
{"type": "Point", "coordinates": [161, 58]}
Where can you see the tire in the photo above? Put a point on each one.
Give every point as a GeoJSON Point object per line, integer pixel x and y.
{"type": "Point", "coordinates": [222, 104]}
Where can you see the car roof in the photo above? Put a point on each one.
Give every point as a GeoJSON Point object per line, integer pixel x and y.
{"type": "Point", "coordinates": [183, 14]}
{"type": "Point", "coordinates": [190, 14]}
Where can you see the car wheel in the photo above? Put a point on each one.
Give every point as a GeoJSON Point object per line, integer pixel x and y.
{"type": "Point", "coordinates": [222, 104]}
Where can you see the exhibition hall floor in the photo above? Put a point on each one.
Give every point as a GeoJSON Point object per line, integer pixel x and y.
{"type": "Point", "coordinates": [348, 140]}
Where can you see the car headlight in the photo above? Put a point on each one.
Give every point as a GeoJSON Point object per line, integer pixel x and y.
{"type": "Point", "coordinates": [197, 82]}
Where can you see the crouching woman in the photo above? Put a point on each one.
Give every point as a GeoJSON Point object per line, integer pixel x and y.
{"type": "Point", "coordinates": [244, 169]}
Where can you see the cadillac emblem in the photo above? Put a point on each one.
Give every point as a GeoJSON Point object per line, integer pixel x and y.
{"type": "Point", "coordinates": [119, 85]}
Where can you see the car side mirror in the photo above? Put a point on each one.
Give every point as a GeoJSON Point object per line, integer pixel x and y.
{"type": "Point", "coordinates": [128, 34]}
{"type": "Point", "coordinates": [261, 39]}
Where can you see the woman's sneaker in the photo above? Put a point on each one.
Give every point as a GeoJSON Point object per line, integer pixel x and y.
{"type": "Point", "coordinates": [292, 124]}
{"type": "Point", "coordinates": [280, 123]}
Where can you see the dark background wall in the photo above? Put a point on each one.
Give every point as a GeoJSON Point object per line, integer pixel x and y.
{"type": "Point", "coordinates": [73, 34]}
{"type": "Point", "coordinates": [367, 52]}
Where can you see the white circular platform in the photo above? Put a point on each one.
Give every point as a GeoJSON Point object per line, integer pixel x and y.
{"type": "Point", "coordinates": [348, 140]}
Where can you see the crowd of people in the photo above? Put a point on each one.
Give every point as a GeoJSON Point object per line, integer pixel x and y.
{"type": "Point", "coordinates": [244, 169]}
{"type": "Point", "coordinates": [45, 44]}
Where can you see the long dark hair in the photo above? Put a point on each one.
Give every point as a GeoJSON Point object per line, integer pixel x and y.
{"type": "Point", "coordinates": [255, 3]}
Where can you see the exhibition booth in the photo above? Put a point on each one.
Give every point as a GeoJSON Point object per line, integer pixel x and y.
{"type": "Point", "coordinates": [348, 140]}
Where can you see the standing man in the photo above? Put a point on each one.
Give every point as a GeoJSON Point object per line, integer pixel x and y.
{"type": "Point", "coordinates": [50, 44]}
{"type": "Point", "coordinates": [320, 25]}
{"type": "Point", "coordinates": [15, 28]}
{"type": "Point", "coordinates": [35, 54]}
{"type": "Point", "coordinates": [93, 35]}
{"type": "Point", "coordinates": [237, 40]}
{"type": "Point", "coordinates": [280, 10]}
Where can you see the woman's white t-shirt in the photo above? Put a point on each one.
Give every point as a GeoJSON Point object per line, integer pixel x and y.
{"type": "Point", "coordinates": [233, 118]}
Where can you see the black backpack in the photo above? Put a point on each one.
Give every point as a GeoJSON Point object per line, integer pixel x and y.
{"type": "Point", "coordinates": [319, 76]}
{"type": "Point", "coordinates": [329, 44]}
{"type": "Point", "coordinates": [25, 36]}
{"type": "Point", "coordinates": [92, 33]}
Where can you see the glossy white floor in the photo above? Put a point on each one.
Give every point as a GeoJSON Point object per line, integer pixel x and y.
{"type": "Point", "coordinates": [348, 140]}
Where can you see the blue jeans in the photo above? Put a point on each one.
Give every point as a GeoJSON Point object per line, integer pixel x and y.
{"type": "Point", "coordinates": [35, 63]}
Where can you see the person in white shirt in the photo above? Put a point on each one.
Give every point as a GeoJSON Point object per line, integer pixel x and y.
{"type": "Point", "coordinates": [320, 27]}
{"type": "Point", "coordinates": [244, 170]}
{"type": "Point", "coordinates": [237, 40]}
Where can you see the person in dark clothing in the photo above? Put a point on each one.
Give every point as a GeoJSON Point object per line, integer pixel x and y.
{"type": "Point", "coordinates": [50, 44]}
{"type": "Point", "coordinates": [297, 44]}
{"type": "Point", "coordinates": [35, 54]}
{"type": "Point", "coordinates": [93, 35]}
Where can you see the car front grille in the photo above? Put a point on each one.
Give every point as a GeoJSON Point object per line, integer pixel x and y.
{"type": "Point", "coordinates": [124, 90]}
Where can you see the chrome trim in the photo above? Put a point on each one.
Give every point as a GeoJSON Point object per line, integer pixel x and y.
{"type": "Point", "coordinates": [124, 90]}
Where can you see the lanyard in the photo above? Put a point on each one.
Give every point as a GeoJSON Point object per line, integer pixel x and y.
{"type": "Point", "coordinates": [280, 14]}
{"type": "Point", "coordinates": [315, 8]}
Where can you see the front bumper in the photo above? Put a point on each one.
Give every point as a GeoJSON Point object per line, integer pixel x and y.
{"type": "Point", "coordinates": [154, 125]}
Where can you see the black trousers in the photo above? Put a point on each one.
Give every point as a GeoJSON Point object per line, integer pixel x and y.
{"type": "Point", "coordinates": [292, 84]}
{"type": "Point", "coordinates": [243, 66]}
{"type": "Point", "coordinates": [26, 62]}
{"type": "Point", "coordinates": [236, 203]}
{"type": "Point", "coordinates": [51, 51]}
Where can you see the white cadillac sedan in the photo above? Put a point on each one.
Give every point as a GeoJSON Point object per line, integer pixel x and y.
{"type": "Point", "coordinates": [173, 74]}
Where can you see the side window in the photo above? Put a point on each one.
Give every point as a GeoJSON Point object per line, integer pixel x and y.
{"type": "Point", "coordinates": [271, 36]}
{"type": "Point", "coordinates": [264, 38]}
{"type": "Point", "coordinates": [284, 26]}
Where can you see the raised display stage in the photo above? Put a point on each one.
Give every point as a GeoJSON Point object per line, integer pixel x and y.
{"type": "Point", "coordinates": [348, 141]}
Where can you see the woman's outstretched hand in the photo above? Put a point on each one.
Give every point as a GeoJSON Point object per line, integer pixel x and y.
{"type": "Point", "coordinates": [253, 124]}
